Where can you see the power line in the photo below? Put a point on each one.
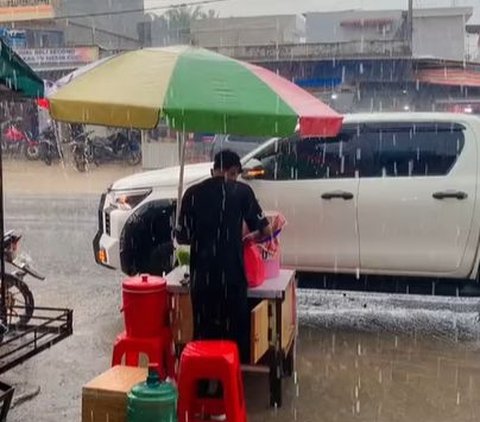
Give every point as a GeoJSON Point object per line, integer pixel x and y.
{"type": "Point", "coordinates": [148, 9]}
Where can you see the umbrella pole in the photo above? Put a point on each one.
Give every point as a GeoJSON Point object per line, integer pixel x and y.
{"type": "Point", "coordinates": [58, 137]}
{"type": "Point", "coordinates": [182, 149]}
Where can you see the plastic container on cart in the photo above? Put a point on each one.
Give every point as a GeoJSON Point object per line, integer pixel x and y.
{"type": "Point", "coordinates": [253, 264]}
{"type": "Point", "coordinates": [182, 253]}
{"type": "Point", "coordinates": [272, 266]}
{"type": "Point", "coordinates": [145, 306]}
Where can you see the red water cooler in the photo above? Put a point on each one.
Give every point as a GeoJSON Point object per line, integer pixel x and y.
{"type": "Point", "coordinates": [145, 303]}
{"type": "Point", "coordinates": [147, 330]}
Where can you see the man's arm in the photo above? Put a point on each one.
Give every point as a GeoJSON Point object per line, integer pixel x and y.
{"type": "Point", "coordinates": [254, 217]}
{"type": "Point", "coordinates": [183, 231]}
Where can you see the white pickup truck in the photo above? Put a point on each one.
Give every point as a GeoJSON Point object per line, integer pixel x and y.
{"type": "Point", "coordinates": [393, 194]}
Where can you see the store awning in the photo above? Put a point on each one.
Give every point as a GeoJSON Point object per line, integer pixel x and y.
{"type": "Point", "coordinates": [450, 77]}
{"type": "Point", "coordinates": [18, 76]}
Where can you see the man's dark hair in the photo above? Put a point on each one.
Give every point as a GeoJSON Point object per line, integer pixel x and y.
{"type": "Point", "coordinates": [226, 159]}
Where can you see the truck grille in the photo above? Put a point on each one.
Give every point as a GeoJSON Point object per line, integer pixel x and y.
{"type": "Point", "coordinates": [107, 223]}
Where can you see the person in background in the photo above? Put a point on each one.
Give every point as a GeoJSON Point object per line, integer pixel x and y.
{"type": "Point", "coordinates": [211, 220]}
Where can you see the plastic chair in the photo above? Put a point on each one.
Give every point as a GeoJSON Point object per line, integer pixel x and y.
{"type": "Point", "coordinates": [210, 360]}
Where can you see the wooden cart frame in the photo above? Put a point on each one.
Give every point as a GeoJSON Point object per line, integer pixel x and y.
{"type": "Point", "coordinates": [273, 326]}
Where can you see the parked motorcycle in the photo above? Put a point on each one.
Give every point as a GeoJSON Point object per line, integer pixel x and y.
{"type": "Point", "coordinates": [17, 142]}
{"type": "Point", "coordinates": [49, 150]}
{"type": "Point", "coordinates": [81, 151]}
{"type": "Point", "coordinates": [19, 300]}
{"type": "Point", "coordinates": [121, 146]}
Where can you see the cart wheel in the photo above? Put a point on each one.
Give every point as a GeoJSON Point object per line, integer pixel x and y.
{"type": "Point", "coordinates": [276, 374]}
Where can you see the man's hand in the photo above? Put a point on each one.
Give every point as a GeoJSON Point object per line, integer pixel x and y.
{"type": "Point", "coordinates": [258, 235]}
{"type": "Point", "coordinates": [181, 235]}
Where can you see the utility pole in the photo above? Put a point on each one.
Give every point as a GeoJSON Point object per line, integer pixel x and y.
{"type": "Point", "coordinates": [410, 26]}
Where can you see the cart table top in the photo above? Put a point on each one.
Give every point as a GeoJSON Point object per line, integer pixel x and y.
{"type": "Point", "coordinates": [273, 288]}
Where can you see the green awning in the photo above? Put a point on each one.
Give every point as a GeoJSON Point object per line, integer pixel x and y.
{"type": "Point", "coordinates": [18, 76]}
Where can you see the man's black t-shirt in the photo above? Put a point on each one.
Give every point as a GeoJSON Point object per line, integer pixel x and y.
{"type": "Point", "coordinates": [211, 221]}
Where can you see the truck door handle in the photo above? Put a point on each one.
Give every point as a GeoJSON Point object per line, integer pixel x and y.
{"type": "Point", "coordinates": [450, 194]}
{"type": "Point", "coordinates": [338, 194]}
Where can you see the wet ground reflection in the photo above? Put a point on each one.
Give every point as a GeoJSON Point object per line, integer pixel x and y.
{"type": "Point", "coordinates": [361, 356]}
{"type": "Point", "coordinates": [354, 376]}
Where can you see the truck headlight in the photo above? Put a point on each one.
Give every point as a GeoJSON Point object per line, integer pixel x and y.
{"type": "Point", "coordinates": [128, 200]}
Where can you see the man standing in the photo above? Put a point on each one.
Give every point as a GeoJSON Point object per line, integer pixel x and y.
{"type": "Point", "coordinates": [211, 221]}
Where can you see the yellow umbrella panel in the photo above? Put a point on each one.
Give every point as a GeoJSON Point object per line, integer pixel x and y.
{"type": "Point", "coordinates": [126, 91]}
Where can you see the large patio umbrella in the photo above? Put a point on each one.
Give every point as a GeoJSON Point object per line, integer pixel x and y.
{"type": "Point", "coordinates": [17, 79]}
{"type": "Point", "coordinates": [194, 90]}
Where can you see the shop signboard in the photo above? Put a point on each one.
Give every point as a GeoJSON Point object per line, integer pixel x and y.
{"type": "Point", "coordinates": [41, 58]}
{"type": "Point", "coordinates": [25, 10]}
{"type": "Point", "coordinates": [15, 38]}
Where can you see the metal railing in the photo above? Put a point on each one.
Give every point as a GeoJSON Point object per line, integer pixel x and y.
{"type": "Point", "coordinates": [47, 327]}
{"type": "Point", "coordinates": [6, 396]}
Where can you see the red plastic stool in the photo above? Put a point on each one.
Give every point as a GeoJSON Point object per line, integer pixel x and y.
{"type": "Point", "coordinates": [158, 349]}
{"type": "Point", "coordinates": [211, 360]}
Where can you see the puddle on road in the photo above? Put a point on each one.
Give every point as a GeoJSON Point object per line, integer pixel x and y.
{"type": "Point", "coordinates": [354, 376]}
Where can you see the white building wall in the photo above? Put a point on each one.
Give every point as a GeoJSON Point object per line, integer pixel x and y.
{"type": "Point", "coordinates": [243, 31]}
{"type": "Point", "coordinates": [353, 25]}
{"type": "Point", "coordinates": [441, 37]}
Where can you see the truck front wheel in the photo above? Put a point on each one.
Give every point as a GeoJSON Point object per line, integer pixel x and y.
{"type": "Point", "coordinates": [146, 245]}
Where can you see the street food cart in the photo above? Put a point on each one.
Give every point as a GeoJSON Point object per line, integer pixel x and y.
{"type": "Point", "coordinates": [273, 323]}
{"type": "Point", "coordinates": [188, 87]}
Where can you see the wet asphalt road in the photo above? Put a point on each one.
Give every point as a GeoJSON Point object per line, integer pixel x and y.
{"type": "Point", "coordinates": [361, 357]}
{"type": "Point", "coordinates": [57, 235]}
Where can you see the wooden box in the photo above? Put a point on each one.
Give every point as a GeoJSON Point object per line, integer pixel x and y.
{"type": "Point", "coordinates": [182, 325]}
{"type": "Point", "coordinates": [181, 319]}
{"type": "Point", "coordinates": [259, 324]}
{"type": "Point", "coordinates": [263, 321]}
{"type": "Point", "coordinates": [289, 318]}
{"type": "Point", "coordinates": [104, 399]}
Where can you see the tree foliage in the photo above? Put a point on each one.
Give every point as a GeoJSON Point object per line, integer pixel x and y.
{"type": "Point", "coordinates": [179, 19]}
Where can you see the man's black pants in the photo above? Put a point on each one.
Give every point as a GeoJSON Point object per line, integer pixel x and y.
{"type": "Point", "coordinates": [222, 314]}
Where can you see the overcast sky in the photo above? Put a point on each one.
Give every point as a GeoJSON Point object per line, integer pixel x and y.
{"type": "Point", "coordinates": [269, 7]}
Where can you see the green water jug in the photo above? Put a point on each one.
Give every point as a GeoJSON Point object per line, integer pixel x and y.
{"type": "Point", "coordinates": [153, 400]}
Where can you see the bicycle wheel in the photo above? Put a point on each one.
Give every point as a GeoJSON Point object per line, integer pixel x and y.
{"type": "Point", "coordinates": [19, 302]}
